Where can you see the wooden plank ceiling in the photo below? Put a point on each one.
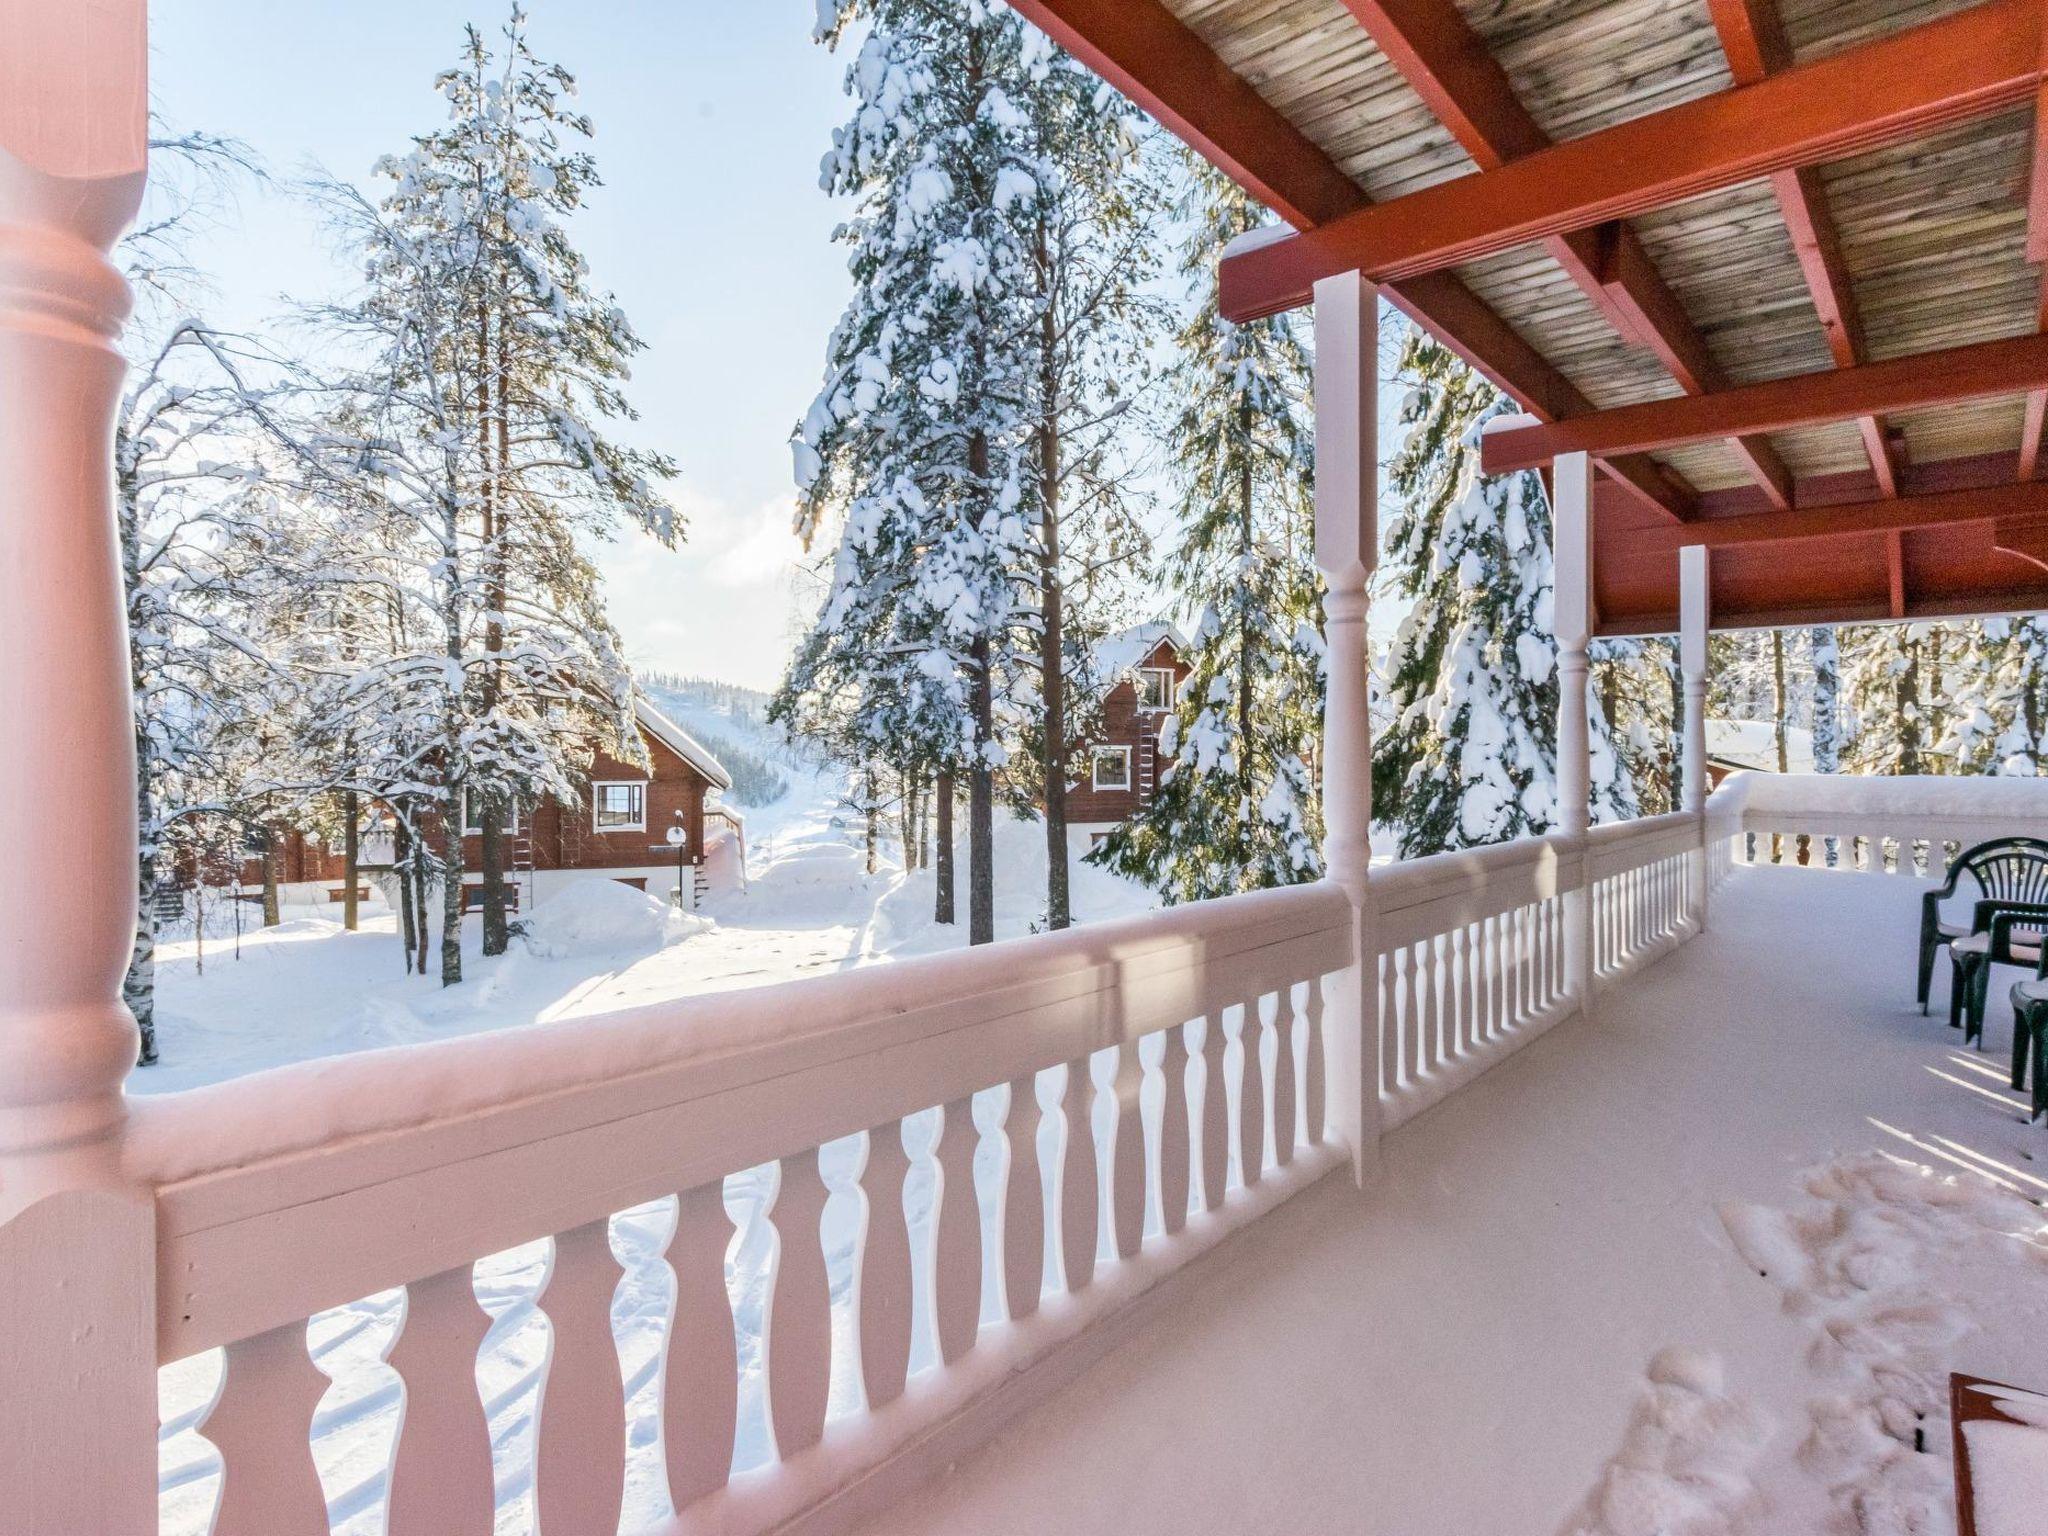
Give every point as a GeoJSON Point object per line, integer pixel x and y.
{"type": "Point", "coordinates": [1918, 245]}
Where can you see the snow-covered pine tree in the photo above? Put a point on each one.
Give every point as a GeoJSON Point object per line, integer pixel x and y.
{"type": "Point", "coordinates": [1237, 809]}
{"type": "Point", "coordinates": [2000, 700]}
{"type": "Point", "coordinates": [1471, 755]}
{"type": "Point", "coordinates": [1636, 682]}
{"type": "Point", "coordinates": [921, 435]}
{"type": "Point", "coordinates": [552, 355]}
{"type": "Point", "coordinates": [1088, 227]}
{"type": "Point", "coordinates": [1825, 655]}
{"type": "Point", "coordinates": [1886, 691]}
{"type": "Point", "coordinates": [471, 442]}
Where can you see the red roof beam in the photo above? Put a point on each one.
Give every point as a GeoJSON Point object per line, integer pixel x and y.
{"type": "Point", "coordinates": [1889, 516]}
{"type": "Point", "coordinates": [1899, 87]}
{"type": "Point", "coordinates": [1160, 63]}
{"type": "Point", "coordinates": [1449, 66]}
{"type": "Point", "coordinates": [1753, 38]}
{"type": "Point", "coordinates": [1979, 371]}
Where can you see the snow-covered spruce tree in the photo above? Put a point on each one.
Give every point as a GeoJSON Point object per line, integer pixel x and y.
{"type": "Point", "coordinates": [1636, 683]}
{"type": "Point", "coordinates": [920, 437]}
{"type": "Point", "coordinates": [1471, 756]}
{"type": "Point", "coordinates": [1825, 654]}
{"type": "Point", "coordinates": [1089, 228]}
{"type": "Point", "coordinates": [473, 440]}
{"type": "Point", "coordinates": [1237, 809]}
{"type": "Point", "coordinates": [552, 356]}
{"type": "Point", "coordinates": [1999, 708]}
{"type": "Point", "coordinates": [1886, 690]}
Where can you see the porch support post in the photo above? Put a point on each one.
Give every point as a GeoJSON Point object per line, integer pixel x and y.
{"type": "Point", "coordinates": [1572, 540]}
{"type": "Point", "coordinates": [1347, 547]}
{"type": "Point", "coordinates": [1693, 618]}
{"type": "Point", "coordinates": [77, 1245]}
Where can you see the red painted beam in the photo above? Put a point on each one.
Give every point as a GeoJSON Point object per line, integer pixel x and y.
{"type": "Point", "coordinates": [1892, 516]}
{"type": "Point", "coordinates": [1753, 37]}
{"type": "Point", "coordinates": [1450, 67]}
{"type": "Point", "coordinates": [1975, 372]}
{"type": "Point", "coordinates": [1160, 63]}
{"type": "Point", "coordinates": [1899, 87]}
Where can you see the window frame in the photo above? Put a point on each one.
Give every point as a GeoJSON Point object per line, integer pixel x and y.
{"type": "Point", "coordinates": [474, 828]}
{"type": "Point", "coordinates": [1095, 757]}
{"type": "Point", "coordinates": [597, 788]}
{"type": "Point", "coordinates": [1150, 672]}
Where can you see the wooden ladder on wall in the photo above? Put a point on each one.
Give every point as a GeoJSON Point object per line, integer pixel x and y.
{"type": "Point", "coordinates": [1148, 769]}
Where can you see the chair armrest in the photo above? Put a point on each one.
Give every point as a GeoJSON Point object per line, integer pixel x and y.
{"type": "Point", "coordinates": [2009, 915]}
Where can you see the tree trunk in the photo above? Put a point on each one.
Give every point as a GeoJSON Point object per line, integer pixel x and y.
{"type": "Point", "coordinates": [981, 803]}
{"type": "Point", "coordinates": [1247, 660]}
{"type": "Point", "coordinates": [1053, 683]}
{"type": "Point", "coordinates": [942, 883]}
{"type": "Point", "coordinates": [451, 888]}
{"type": "Point", "coordinates": [422, 929]}
{"type": "Point", "coordinates": [272, 839]}
{"type": "Point", "coordinates": [1674, 746]}
{"type": "Point", "coordinates": [351, 858]}
{"type": "Point", "coordinates": [1826, 701]}
{"type": "Point", "coordinates": [871, 812]}
{"type": "Point", "coordinates": [1779, 705]}
{"type": "Point", "coordinates": [401, 866]}
{"type": "Point", "coordinates": [138, 987]}
{"type": "Point", "coordinates": [491, 809]}
{"type": "Point", "coordinates": [491, 868]}
{"type": "Point", "coordinates": [1906, 698]}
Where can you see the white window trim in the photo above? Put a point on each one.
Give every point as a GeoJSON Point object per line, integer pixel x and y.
{"type": "Point", "coordinates": [1095, 757]}
{"type": "Point", "coordinates": [475, 829]}
{"type": "Point", "coordinates": [1155, 709]}
{"type": "Point", "coordinates": [602, 784]}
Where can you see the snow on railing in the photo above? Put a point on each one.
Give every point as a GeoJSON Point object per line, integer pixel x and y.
{"type": "Point", "coordinates": [1124, 1096]}
{"type": "Point", "coordinates": [1872, 824]}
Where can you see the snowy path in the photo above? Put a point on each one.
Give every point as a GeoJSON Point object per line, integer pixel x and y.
{"type": "Point", "coordinates": [1539, 1324]}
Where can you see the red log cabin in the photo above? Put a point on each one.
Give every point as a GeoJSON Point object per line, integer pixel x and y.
{"type": "Point", "coordinates": [620, 828]}
{"type": "Point", "coordinates": [1117, 774]}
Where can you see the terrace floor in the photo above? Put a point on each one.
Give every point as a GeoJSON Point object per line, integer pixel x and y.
{"type": "Point", "coordinates": [1687, 1188]}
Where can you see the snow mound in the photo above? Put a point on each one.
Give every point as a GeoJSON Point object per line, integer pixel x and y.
{"type": "Point", "coordinates": [1686, 1460]}
{"type": "Point", "coordinates": [598, 916]}
{"type": "Point", "coordinates": [299, 928]}
{"type": "Point", "coordinates": [820, 864]}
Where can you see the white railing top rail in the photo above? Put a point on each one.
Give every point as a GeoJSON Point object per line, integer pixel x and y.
{"type": "Point", "coordinates": [1418, 897]}
{"type": "Point", "coordinates": [309, 1186]}
{"type": "Point", "coordinates": [1829, 803]}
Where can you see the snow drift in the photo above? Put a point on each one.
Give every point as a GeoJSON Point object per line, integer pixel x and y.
{"type": "Point", "coordinates": [591, 917]}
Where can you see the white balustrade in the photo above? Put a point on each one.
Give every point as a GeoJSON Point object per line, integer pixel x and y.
{"type": "Point", "coordinates": [1911, 826]}
{"type": "Point", "coordinates": [259, 1238]}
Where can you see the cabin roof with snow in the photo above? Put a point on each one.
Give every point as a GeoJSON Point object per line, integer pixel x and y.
{"type": "Point", "coordinates": [1128, 649]}
{"type": "Point", "coordinates": [1774, 267]}
{"type": "Point", "coordinates": [681, 742]}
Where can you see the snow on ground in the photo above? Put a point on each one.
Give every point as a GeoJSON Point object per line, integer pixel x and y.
{"type": "Point", "coordinates": [1697, 1267]}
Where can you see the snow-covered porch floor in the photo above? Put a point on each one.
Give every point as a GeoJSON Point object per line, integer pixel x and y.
{"type": "Point", "coordinates": [1468, 1347]}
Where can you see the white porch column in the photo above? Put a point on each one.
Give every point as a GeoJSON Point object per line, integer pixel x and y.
{"type": "Point", "coordinates": [77, 1249]}
{"type": "Point", "coordinates": [1572, 594]}
{"type": "Point", "coordinates": [1693, 617]}
{"type": "Point", "coordinates": [1347, 548]}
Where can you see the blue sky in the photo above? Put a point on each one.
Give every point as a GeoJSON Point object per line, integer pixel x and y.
{"type": "Point", "coordinates": [711, 116]}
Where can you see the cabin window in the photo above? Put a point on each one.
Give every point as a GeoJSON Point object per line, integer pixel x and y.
{"type": "Point", "coordinates": [472, 811]}
{"type": "Point", "coordinates": [1155, 688]}
{"type": "Point", "coordinates": [1112, 768]}
{"type": "Point", "coordinates": [620, 807]}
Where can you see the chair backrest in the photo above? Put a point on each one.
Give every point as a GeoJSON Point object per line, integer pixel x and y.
{"type": "Point", "coordinates": [2009, 868]}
